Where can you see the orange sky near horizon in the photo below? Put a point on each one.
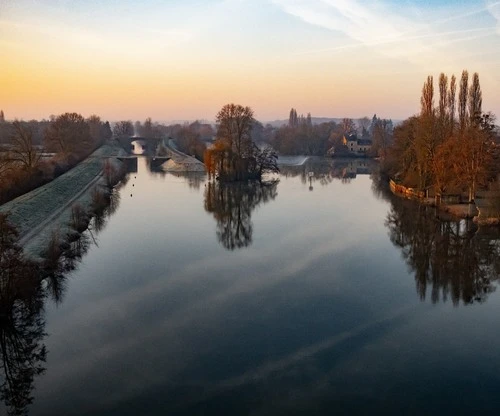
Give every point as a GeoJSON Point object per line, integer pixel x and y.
{"type": "Point", "coordinates": [270, 55]}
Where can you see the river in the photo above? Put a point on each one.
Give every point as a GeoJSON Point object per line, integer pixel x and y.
{"type": "Point", "coordinates": [316, 293]}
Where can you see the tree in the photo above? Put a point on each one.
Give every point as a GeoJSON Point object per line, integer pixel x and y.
{"type": "Point", "coordinates": [474, 150]}
{"type": "Point", "coordinates": [23, 151]}
{"type": "Point", "coordinates": [267, 160]}
{"type": "Point", "coordinates": [442, 128]}
{"type": "Point", "coordinates": [2, 117]}
{"type": "Point", "coordinates": [68, 133]}
{"type": "Point", "coordinates": [95, 125]}
{"type": "Point", "coordinates": [188, 141]}
{"type": "Point", "coordinates": [5, 165]}
{"type": "Point", "coordinates": [382, 137]}
{"type": "Point", "coordinates": [462, 101]}
{"type": "Point", "coordinates": [443, 168]}
{"type": "Point", "coordinates": [363, 126]}
{"type": "Point", "coordinates": [309, 120]}
{"type": "Point", "coordinates": [402, 158]}
{"type": "Point", "coordinates": [234, 126]}
{"type": "Point", "coordinates": [348, 125]}
{"type": "Point", "coordinates": [123, 128]}
{"type": "Point", "coordinates": [293, 120]}
{"type": "Point", "coordinates": [427, 99]}
{"type": "Point", "coordinates": [106, 132]}
{"type": "Point", "coordinates": [474, 154]}
{"type": "Point", "coordinates": [475, 100]}
{"type": "Point", "coordinates": [234, 156]}
{"type": "Point", "coordinates": [372, 124]}
{"type": "Point", "coordinates": [138, 129]}
{"type": "Point", "coordinates": [452, 103]}
{"type": "Point", "coordinates": [147, 127]}
{"type": "Point", "coordinates": [430, 153]}
{"type": "Point", "coordinates": [443, 96]}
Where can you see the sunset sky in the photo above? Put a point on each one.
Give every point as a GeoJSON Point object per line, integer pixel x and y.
{"type": "Point", "coordinates": [183, 60]}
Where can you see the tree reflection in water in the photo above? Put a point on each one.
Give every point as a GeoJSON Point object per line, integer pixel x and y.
{"type": "Point", "coordinates": [24, 288]}
{"type": "Point", "coordinates": [232, 205]}
{"type": "Point", "coordinates": [21, 323]}
{"type": "Point", "coordinates": [193, 179]}
{"type": "Point", "coordinates": [451, 259]}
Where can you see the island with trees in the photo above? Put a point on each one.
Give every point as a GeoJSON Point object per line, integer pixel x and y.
{"type": "Point", "coordinates": [234, 155]}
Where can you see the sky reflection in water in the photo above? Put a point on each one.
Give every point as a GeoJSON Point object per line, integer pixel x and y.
{"type": "Point", "coordinates": [203, 299]}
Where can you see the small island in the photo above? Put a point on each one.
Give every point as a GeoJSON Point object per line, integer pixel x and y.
{"type": "Point", "coordinates": [234, 156]}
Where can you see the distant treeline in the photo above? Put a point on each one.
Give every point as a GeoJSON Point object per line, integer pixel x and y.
{"type": "Point", "coordinates": [301, 137]}
{"type": "Point", "coordinates": [33, 153]}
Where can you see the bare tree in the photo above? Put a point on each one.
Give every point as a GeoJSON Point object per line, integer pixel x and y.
{"type": "Point", "coordinates": [23, 151]}
{"type": "Point", "coordinates": [363, 125]}
{"type": "Point", "coordinates": [234, 125]}
{"type": "Point", "coordinates": [148, 131]}
{"type": "Point", "coordinates": [123, 128]}
{"type": "Point", "coordinates": [5, 164]}
{"type": "Point", "coordinates": [95, 127]}
{"type": "Point", "coordinates": [68, 133]}
{"type": "Point", "coordinates": [267, 160]}
{"type": "Point", "coordinates": [348, 125]}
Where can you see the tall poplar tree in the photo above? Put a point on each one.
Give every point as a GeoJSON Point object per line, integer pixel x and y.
{"type": "Point", "coordinates": [452, 103]}
{"type": "Point", "coordinates": [475, 100]}
{"type": "Point", "coordinates": [462, 101]}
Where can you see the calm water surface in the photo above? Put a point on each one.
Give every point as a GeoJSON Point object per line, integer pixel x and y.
{"type": "Point", "coordinates": [307, 296]}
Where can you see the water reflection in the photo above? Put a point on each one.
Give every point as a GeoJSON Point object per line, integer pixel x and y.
{"type": "Point", "coordinates": [325, 170]}
{"type": "Point", "coordinates": [24, 288]}
{"type": "Point", "coordinates": [232, 206]}
{"type": "Point", "coordinates": [21, 324]}
{"type": "Point", "coordinates": [450, 259]}
{"type": "Point", "coordinates": [193, 179]}
{"type": "Point", "coordinates": [99, 220]}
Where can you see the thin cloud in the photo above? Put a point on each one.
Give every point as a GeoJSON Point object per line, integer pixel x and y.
{"type": "Point", "coordinates": [383, 30]}
{"type": "Point", "coordinates": [494, 10]}
{"type": "Point", "coordinates": [408, 38]}
{"type": "Point", "coordinates": [467, 14]}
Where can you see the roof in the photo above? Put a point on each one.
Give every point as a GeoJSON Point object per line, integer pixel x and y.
{"type": "Point", "coordinates": [351, 137]}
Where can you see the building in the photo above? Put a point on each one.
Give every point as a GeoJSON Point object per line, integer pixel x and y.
{"type": "Point", "coordinates": [356, 146]}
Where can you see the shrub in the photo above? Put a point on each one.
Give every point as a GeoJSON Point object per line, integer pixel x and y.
{"type": "Point", "coordinates": [79, 219]}
{"type": "Point", "coordinates": [100, 200]}
{"type": "Point", "coordinates": [53, 252]}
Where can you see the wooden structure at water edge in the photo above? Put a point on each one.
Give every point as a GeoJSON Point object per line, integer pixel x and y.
{"type": "Point", "coordinates": [410, 193]}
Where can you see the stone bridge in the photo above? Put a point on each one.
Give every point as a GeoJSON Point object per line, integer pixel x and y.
{"type": "Point", "coordinates": [161, 151]}
{"type": "Point", "coordinates": [150, 145]}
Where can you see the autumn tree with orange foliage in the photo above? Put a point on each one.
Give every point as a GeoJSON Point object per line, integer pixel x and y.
{"type": "Point", "coordinates": [436, 152]}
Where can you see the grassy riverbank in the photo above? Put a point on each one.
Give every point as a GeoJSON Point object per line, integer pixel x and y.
{"type": "Point", "coordinates": [47, 209]}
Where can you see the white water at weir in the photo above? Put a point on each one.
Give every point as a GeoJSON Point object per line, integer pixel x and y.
{"type": "Point", "coordinates": [292, 160]}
